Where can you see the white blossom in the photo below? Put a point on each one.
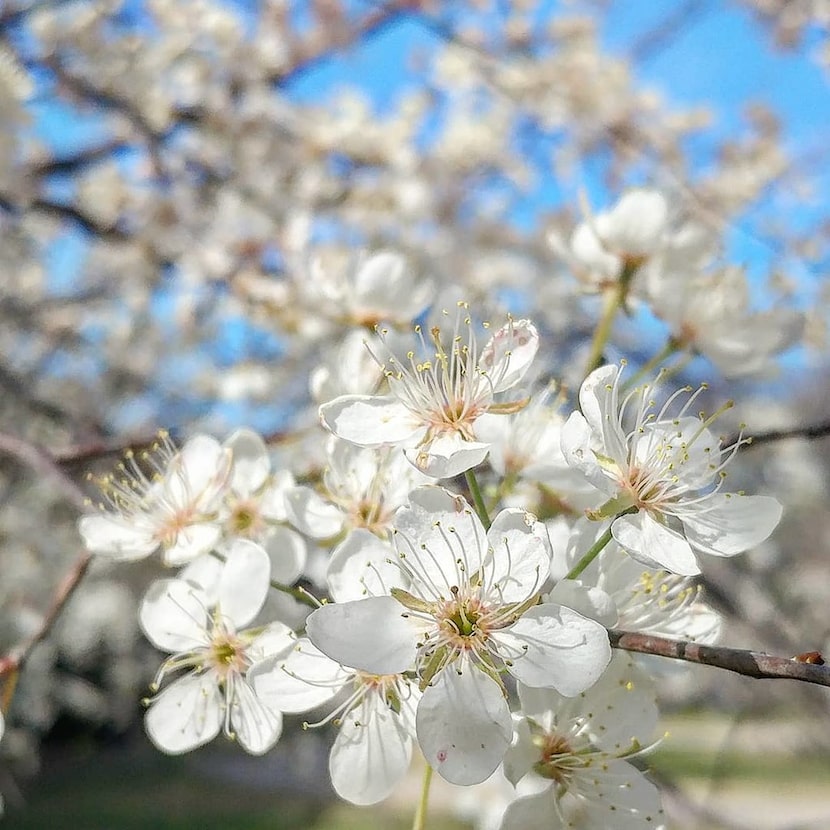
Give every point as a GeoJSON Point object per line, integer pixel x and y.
{"type": "Point", "coordinates": [360, 488]}
{"type": "Point", "coordinates": [163, 498]}
{"type": "Point", "coordinates": [619, 591]}
{"type": "Point", "coordinates": [254, 505]}
{"type": "Point", "coordinates": [208, 639]}
{"type": "Point", "coordinates": [375, 717]}
{"type": "Point", "coordinates": [470, 613]}
{"type": "Point", "coordinates": [712, 315]}
{"type": "Point", "coordinates": [435, 401]}
{"type": "Point", "coordinates": [573, 750]}
{"type": "Point", "coordinates": [663, 477]}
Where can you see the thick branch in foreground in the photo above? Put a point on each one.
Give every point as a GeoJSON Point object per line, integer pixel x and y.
{"type": "Point", "coordinates": [748, 663]}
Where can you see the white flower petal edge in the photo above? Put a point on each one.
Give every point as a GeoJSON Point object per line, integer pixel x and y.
{"type": "Point", "coordinates": [243, 584]}
{"type": "Point", "coordinates": [187, 714]}
{"type": "Point", "coordinates": [654, 544]}
{"type": "Point", "coordinates": [558, 648]}
{"type": "Point", "coordinates": [463, 725]}
{"type": "Point", "coordinates": [255, 725]}
{"type": "Point", "coordinates": [173, 615]}
{"type": "Point", "coordinates": [311, 514]}
{"type": "Point", "coordinates": [251, 464]}
{"type": "Point", "coordinates": [372, 634]}
{"type": "Point", "coordinates": [298, 680]}
{"type": "Point", "coordinates": [370, 421]}
{"type": "Point", "coordinates": [371, 753]}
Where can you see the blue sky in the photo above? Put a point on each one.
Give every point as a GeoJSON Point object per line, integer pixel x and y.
{"type": "Point", "coordinates": [720, 59]}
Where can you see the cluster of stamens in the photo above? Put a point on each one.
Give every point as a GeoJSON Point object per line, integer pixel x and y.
{"type": "Point", "coordinates": [131, 488]}
{"type": "Point", "coordinates": [446, 385]}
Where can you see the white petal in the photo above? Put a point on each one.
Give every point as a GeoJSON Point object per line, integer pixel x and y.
{"type": "Point", "coordinates": [371, 753]}
{"type": "Point", "coordinates": [654, 544]}
{"type": "Point", "coordinates": [244, 583]}
{"type": "Point", "coordinates": [298, 681]}
{"type": "Point", "coordinates": [251, 463]}
{"type": "Point", "coordinates": [447, 456]}
{"type": "Point", "coordinates": [532, 811]}
{"type": "Point", "coordinates": [599, 402]}
{"type": "Point", "coordinates": [275, 640]}
{"type": "Point", "coordinates": [311, 514]}
{"type": "Point", "coordinates": [174, 615]}
{"type": "Point", "coordinates": [287, 551]}
{"type": "Point", "coordinates": [637, 223]}
{"type": "Point", "coordinates": [272, 500]}
{"type": "Point", "coordinates": [374, 634]}
{"type": "Point", "coordinates": [362, 566]}
{"type": "Point", "coordinates": [370, 420]}
{"type": "Point", "coordinates": [445, 525]}
{"type": "Point", "coordinates": [624, 706]}
{"type": "Point", "coordinates": [463, 724]}
{"type": "Point", "coordinates": [256, 726]}
{"type": "Point", "coordinates": [577, 440]}
{"type": "Point", "coordinates": [191, 542]}
{"type": "Point", "coordinates": [729, 523]}
{"type": "Point", "coordinates": [562, 649]}
{"type": "Point", "coordinates": [522, 753]}
{"type": "Point", "coordinates": [520, 559]}
{"type": "Point", "coordinates": [120, 538]}
{"type": "Point", "coordinates": [509, 353]}
{"type": "Point", "coordinates": [590, 601]}
{"type": "Point", "coordinates": [617, 796]}
{"type": "Point", "coordinates": [206, 572]}
{"type": "Point", "coordinates": [199, 473]}
{"type": "Point", "coordinates": [187, 714]}
{"type": "Point", "coordinates": [382, 280]}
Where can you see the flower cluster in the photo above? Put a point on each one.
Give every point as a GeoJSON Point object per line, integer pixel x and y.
{"type": "Point", "coordinates": [456, 621]}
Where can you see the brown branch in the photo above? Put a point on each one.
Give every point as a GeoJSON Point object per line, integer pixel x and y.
{"type": "Point", "coordinates": [13, 661]}
{"type": "Point", "coordinates": [668, 30]}
{"type": "Point", "coordinates": [43, 463]}
{"type": "Point", "coordinates": [748, 663]}
{"type": "Point", "coordinates": [384, 15]}
{"type": "Point", "coordinates": [821, 430]}
{"type": "Point", "coordinates": [40, 462]}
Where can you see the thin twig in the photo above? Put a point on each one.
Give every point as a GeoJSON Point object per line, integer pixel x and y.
{"type": "Point", "coordinates": [811, 431]}
{"type": "Point", "coordinates": [748, 663]}
{"type": "Point", "coordinates": [43, 463]}
{"type": "Point", "coordinates": [40, 462]}
{"type": "Point", "coordinates": [13, 661]}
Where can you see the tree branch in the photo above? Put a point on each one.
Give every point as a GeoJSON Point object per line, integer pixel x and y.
{"type": "Point", "coordinates": [748, 663]}
{"type": "Point", "coordinates": [41, 462]}
{"type": "Point", "coordinates": [811, 431]}
{"type": "Point", "coordinates": [13, 661]}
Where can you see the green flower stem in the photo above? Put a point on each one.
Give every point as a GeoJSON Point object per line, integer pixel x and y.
{"type": "Point", "coordinates": [595, 549]}
{"type": "Point", "coordinates": [300, 594]}
{"type": "Point", "coordinates": [672, 346]}
{"type": "Point", "coordinates": [603, 330]}
{"type": "Point", "coordinates": [419, 822]}
{"type": "Point", "coordinates": [614, 300]}
{"type": "Point", "coordinates": [478, 500]}
{"type": "Point", "coordinates": [589, 557]}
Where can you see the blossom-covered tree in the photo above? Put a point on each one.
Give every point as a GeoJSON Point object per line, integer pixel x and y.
{"type": "Point", "coordinates": [469, 456]}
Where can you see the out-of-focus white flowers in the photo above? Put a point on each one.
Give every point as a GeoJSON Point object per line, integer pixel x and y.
{"type": "Point", "coordinates": [712, 315]}
{"type": "Point", "coordinates": [608, 245]}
